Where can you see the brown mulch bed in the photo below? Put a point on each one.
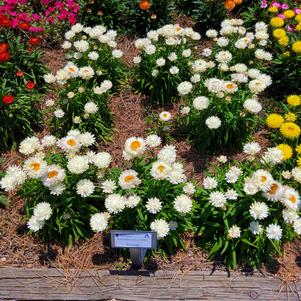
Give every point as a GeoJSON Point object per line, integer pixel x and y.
{"type": "Point", "coordinates": [17, 248]}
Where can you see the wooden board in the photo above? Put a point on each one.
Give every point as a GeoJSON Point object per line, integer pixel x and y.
{"type": "Point", "coordinates": [52, 284]}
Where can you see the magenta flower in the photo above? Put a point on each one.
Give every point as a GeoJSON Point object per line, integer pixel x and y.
{"type": "Point", "coordinates": [277, 4]}
{"type": "Point", "coordinates": [285, 6]}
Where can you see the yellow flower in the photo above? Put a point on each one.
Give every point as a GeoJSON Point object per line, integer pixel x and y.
{"type": "Point", "coordinates": [294, 100]}
{"type": "Point", "coordinates": [274, 121]}
{"type": "Point", "coordinates": [277, 22]}
{"type": "Point", "coordinates": [286, 53]}
{"type": "Point", "coordinates": [297, 47]}
{"type": "Point", "coordinates": [279, 33]}
{"type": "Point", "coordinates": [298, 18]}
{"type": "Point", "coordinates": [273, 9]}
{"type": "Point", "coordinates": [298, 27]}
{"type": "Point", "coordinates": [299, 161]}
{"type": "Point", "coordinates": [289, 14]}
{"type": "Point", "coordinates": [290, 130]}
{"type": "Point", "coordinates": [290, 117]}
{"type": "Point", "coordinates": [286, 150]}
{"type": "Point", "coordinates": [298, 149]}
{"type": "Point", "coordinates": [283, 41]}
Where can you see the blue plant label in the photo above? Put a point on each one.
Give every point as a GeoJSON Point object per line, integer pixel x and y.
{"type": "Point", "coordinates": [133, 239]}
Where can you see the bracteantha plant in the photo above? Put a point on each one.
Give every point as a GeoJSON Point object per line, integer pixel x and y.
{"type": "Point", "coordinates": [150, 193]}
{"type": "Point", "coordinates": [246, 213]}
{"type": "Point", "coordinates": [164, 62]}
{"type": "Point", "coordinates": [59, 181]}
{"type": "Point", "coordinates": [225, 104]}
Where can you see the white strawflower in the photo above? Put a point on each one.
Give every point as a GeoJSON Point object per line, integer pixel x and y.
{"type": "Point", "coordinates": [48, 140]}
{"type": "Point", "coordinates": [186, 53]}
{"type": "Point", "coordinates": [81, 46]}
{"type": "Point", "coordinates": [29, 145]}
{"type": "Point", "coordinates": [99, 222]}
{"type": "Point", "coordinates": [296, 173]}
{"type": "Point", "coordinates": [275, 192]}
{"type": "Point", "coordinates": [201, 103]}
{"type": "Point", "coordinates": [115, 203]}
{"type": "Point", "coordinates": [77, 28]}
{"type": "Point", "coordinates": [160, 170]}
{"type": "Point", "coordinates": [274, 231]}
{"type": "Point", "coordinates": [70, 143]}
{"type": "Point", "coordinates": [87, 139]}
{"type": "Point", "coordinates": [102, 160]}
{"type": "Point", "coordinates": [42, 211]}
{"type": "Point", "coordinates": [223, 56]}
{"type": "Point", "coordinates": [167, 154]}
{"type": "Point", "coordinates": [161, 227]}
{"type": "Point", "coordinates": [134, 146]}
{"type": "Point", "coordinates": [234, 232]}
{"type": "Point", "coordinates": [195, 78]}
{"type": "Point", "coordinates": [49, 103]}
{"type": "Point", "coordinates": [93, 56]}
{"type": "Point", "coordinates": [185, 110]}
{"type": "Point", "coordinates": [117, 53]}
{"type": "Point", "coordinates": [174, 70]}
{"type": "Point", "coordinates": [137, 60]}
{"type": "Point", "coordinates": [209, 183]}
{"type": "Point", "coordinates": [164, 116]}
{"type": "Point", "coordinates": [222, 159]}
{"type": "Point", "coordinates": [108, 186]}
{"type": "Point", "coordinates": [297, 226]}
{"type": "Point", "coordinates": [78, 164]}
{"type": "Point", "coordinates": [185, 88]}
{"type": "Point", "coordinates": [54, 175]}
{"type": "Point", "coordinates": [213, 122]}
{"type": "Point", "coordinates": [189, 189]}
{"type": "Point", "coordinates": [251, 148]}
{"type": "Point", "coordinates": [259, 210]}
{"type": "Point", "coordinates": [129, 179]}
{"type": "Point", "coordinates": [34, 167]}
{"type": "Point", "coordinates": [49, 78]}
{"type": "Point", "coordinates": [91, 107]}
{"type": "Point", "coordinates": [57, 189]}
{"type": "Point", "coordinates": [153, 205]}
{"type": "Point", "coordinates": [86, 72]}
{"type": "Point", "coordinates": [172, 57]}
{"type": "Point", "coordinates": [160, 62]}
{"type": "Point", "coordinates": [211, 33]}
{"type": "Point", "coordinates": [85, 188]}
{"type": "Point", "coordinates": [250, 187]}
{"type": "Point", "coordinates": [263, 179]}
{"type": "Point", "coordinates": [155, 72]}
{"type": "Point", "coordinates": [252, 106]}
{"type": "Point", "coordinates": [132, 201]}
{"type": "Point", "coordinates": [272, 156]}
{"type": "Point", "coordinates": [35, 224]}
{"type": "Point", "coordinates": [231, 194]}
{"type": "Point", "coordinates": [217, 199]}
{"type": "Point", "coordinates": [59, 113]}
{"type": "Point", "coordinates": [183, 203]}
{"type": "Point", "coordinates": [153, 140]}
{"type": "Point", "coordinates": [290, 198]}
{"type": "Point", "coordinates": [255, 228]}
{"type": "Point", "coordinates": [206, 52]}
{"type": "Point", "coordinates": [290, 215]}
{"type": "Point", "coordinates": [222, 42]}
{"type": "Point", "coordinates": [66, 45]}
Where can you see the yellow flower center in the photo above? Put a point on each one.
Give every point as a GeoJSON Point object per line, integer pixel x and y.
{"type": "Point", "coordinates": [129, 178]}
{"type": "Point", "coordinates": [51, 174]}
{"type": "Point", "coordinates": [35, 166]}
{"type": "Point", "coordinates": [230, 86]}
{"type": "Point", "coordinates": [135, 145]}
{"type": "Point", "coordinates": [71, 69]}
{"type": "Point", "coordinates": [71, 142]}
{"type": "Point", "coordinates": [263, 179]}
{"type": "Point", "coordinates": [161, 168]}
{"type": "Point", "coordinates": [293, 199]}
{"type": "Point", "coordinates": [273, 189]}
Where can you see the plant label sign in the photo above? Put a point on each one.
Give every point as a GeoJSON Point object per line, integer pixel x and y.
{"type": "Point", "coordinates": [133, 239]}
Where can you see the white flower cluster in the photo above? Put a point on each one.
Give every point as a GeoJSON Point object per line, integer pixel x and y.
{"type": "Point", "coordinates": [41, 213]}
{"type": "Point", "coordinates": [124, 193]}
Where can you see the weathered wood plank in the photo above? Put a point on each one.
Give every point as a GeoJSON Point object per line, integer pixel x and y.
{"type": "Point", "coordinates": [52, 284]}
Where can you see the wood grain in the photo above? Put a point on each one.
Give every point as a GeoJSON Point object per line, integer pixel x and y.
{"type": "Point", "coordinates": [52, 284]}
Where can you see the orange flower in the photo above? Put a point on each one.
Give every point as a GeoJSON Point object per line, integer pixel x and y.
{"type": "Point", "coordinates": [144, 5]}
{"type": "Point", "coordinates": [237, 2]}
{"type": "Point", "coordinates": [229, 4]}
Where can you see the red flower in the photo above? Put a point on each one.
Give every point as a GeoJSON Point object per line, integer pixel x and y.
{"type": "Point", "coordinates": [24, 25]}
{"type": "Point", "coordinates": [30, 85]}
{"type": "Point", "coordinates": [8, 99]}
{"type": "Point", "coordinates": [34, 41]}
{"type": "Point", "coordinates": [4, 56]}
{"type": "Point", "coordinates": [19, 73]}
{"type": "Point", "coordinates": [3, 47]}
{"type": "Point", "coordinates": [5, 22]}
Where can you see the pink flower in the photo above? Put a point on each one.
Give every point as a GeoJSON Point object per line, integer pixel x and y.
{"type": "Point", "coordinates": [277, 4]}
{"type": "Point", "coordinates": [285, 6]}
{"type": "Point", "coordinates": [264, 4]}
{"type": "Point", "coordinates": [297, 11]}
{"type": "Point", "coordinates": [282, 16]}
